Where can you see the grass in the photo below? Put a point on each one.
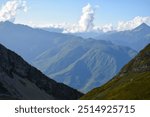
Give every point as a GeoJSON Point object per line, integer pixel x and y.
{"type": "Point", "coordinates": [133, 86]}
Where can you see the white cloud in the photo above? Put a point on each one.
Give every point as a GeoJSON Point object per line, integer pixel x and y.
{"type": "Point", "coordinates": [9, 11]}
{"type": "Point", "coordinates": [121, 26]}
{"type": "Point", "coordinates": [87, 18]}
{"type": "Point", "coordinates": [106, 28]}
{"type": "Point", "coordinates": [128, 25]}
{"type": "Point", "coordinates": [85, 23]}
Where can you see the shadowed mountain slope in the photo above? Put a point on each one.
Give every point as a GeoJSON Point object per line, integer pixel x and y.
{"type": "Point", "coordinates": [19, 80]}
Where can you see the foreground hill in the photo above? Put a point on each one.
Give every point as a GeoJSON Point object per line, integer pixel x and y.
{"type": "Point", "coordinates": [133, 81]}
{"type": "Point", "coordinates": [19, 80]}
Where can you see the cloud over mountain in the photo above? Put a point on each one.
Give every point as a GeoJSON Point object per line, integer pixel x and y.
{"type": "Point", "coordinates": [87, 18]}
{"type": "Point", "coordinates": [121, 25]}
{"type": "Point", "coordinates": [86, 22]}
{"type": "Point", "coordinates": [90, 27]}
{"type": "Point", "coordinates": [9, 10]}
{"type": "Point", "coordinates": [131, 24]}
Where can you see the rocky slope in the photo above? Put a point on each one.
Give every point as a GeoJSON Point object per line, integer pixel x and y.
{"type": "Point", "coordinates": [19, 80]}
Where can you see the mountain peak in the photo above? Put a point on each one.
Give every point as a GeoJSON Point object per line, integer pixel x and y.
{"type": "Point", "coordinates": [142, 26]}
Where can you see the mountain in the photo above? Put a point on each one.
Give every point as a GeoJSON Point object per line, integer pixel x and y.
{"type": "Point", "coordinates": [132, 82]}
{"type": "Point", "coordinates": [143, 27]}
{"type": "Point", "coordinates": [87, 35]}
{"type": "Point", "coordinates": [84, 64]}
{"type": "Point", "coordinates": [28, 42]}
{"type": "Point", "coordinates": [51, 29]}
{"type": "Point", "coordinates": [80, 63]}
{"type": "Point", "coordinates": [136, 39]}
{"type": "Point", "coordinates": [19, 80]}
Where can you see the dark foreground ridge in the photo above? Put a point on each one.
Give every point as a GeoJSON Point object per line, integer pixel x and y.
{"type": "Point", "coordinates": [132, 83]}
{"type": "Point", "coordinates": [19, 80]}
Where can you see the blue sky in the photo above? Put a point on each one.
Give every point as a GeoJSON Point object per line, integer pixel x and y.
{"type": "Point", "coordinates": [59, 11]}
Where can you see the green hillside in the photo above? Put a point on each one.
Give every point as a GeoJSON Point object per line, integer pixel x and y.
{"type": "Point", "coordinates": [132, 83]}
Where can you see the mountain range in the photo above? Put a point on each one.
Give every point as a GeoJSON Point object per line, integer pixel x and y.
{"type": "Point", "coordinates": [136, 39]}
{"type": "Point", "coordinates": [80, 63]}
{"type": "Point", "coordinates": [131, 83]}
{"type": "Point", "coordinates": [84, 64]}
{"type": "Point", "coordinates": [19, 80]}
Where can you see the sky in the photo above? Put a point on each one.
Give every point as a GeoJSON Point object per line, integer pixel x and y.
{"type": "Point", "coordinates": [97, 14]}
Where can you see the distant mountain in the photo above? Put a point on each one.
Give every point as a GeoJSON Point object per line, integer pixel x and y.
{"type": "Point", "coordinates": [19, 80]}
{"type": "Point", "coordinates": [136, 39]}
{"type": "Point", "coordinates": [84, 64]}
{"type": "Point", "coordinates": [51, 29]}
{"type": "Point", "coordinates": [80, 63]}
{"type": "Point", "coordinates": [87, 35]}
{"type": "Point", "coordinates": [132, 82]}
{"type": "Point", "coordinates": [143, 27]}
{"type": "Point", "coordinates": [28, 42]}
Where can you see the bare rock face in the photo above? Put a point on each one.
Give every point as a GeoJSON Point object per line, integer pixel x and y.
{"type": "Point", "coordinates": [19, 80]}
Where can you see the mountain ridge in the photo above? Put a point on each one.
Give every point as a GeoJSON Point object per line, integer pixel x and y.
{"type": "Point", "coordinates": [136, 38]}
{"type": "Point", "coordinates": [91, 60]}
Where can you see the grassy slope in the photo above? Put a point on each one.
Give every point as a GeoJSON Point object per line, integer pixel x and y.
{"type": "Point", "coordinates": [133, 82]}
